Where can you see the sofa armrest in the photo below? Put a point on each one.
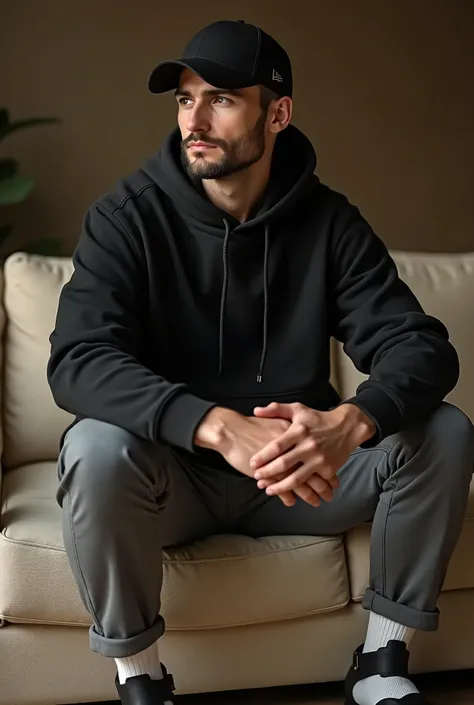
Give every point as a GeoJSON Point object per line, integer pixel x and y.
{"type": "Point", "coordinates": [3, 318]}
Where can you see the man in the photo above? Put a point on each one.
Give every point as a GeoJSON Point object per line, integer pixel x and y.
{"type": "Point", "coordinates": [192, 345]}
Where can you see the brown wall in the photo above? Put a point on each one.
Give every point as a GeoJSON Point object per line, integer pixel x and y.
{"type": "Point", "coordinates": [383, 89]}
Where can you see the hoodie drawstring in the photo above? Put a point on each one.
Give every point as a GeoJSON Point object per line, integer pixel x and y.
{"type": "Point", "coordinates": [225, 282]}
{"type": "Point", "coordinates": [265, 304]}
{"type": "Point", "coordinates": [224, 295]}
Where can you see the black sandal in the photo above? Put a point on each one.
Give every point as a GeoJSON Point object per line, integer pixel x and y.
{"type": "Point", "coordinates": [391, 660]}
{"type": "Point", "coordinates": [142, 690]}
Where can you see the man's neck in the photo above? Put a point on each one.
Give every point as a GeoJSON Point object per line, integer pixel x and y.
{"type": "Point", "coordinates": [240, 193]}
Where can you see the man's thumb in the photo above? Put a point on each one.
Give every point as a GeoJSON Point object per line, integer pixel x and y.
{"type": "Point", "coordinates": [274, 411]}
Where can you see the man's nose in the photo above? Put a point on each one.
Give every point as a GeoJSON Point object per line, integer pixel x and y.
{"type": "Point", "coordinates": [197, 120]}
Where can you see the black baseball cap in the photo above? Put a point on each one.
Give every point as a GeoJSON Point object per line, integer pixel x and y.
{"type": "Point", "coordinates": [229, 54]}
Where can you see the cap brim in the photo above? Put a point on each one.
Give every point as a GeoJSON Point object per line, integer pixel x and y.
{"type": "Point", "coordinates": [165, 77]}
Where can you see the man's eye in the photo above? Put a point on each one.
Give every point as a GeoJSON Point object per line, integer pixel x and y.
{"type": "Point", "coordinates": [223, 99]}
{"type": "Point", "coordinates": [183, 101]}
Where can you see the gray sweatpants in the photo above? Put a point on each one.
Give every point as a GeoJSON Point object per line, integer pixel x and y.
{"type": "Point", "coordinates": [124, 498]}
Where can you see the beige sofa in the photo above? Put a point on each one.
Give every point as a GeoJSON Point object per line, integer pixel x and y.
{"type": "Point", "coordinates": [240, 612]}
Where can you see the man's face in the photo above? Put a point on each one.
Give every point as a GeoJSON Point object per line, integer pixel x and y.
{"type": "Point", "coordinates": [223, 132]}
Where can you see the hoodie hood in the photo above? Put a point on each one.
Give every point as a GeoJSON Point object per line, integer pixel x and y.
{"type": "Point", "coordinates": [293, 165]}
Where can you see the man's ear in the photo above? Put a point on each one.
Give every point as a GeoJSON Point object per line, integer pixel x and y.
{"type": "Point", "coordinates": [281, 112]}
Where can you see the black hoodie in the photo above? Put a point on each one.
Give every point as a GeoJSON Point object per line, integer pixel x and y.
{"type": "Point", "coordinates": [175, 307]}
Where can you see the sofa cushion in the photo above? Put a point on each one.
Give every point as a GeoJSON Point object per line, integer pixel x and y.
{"type": "Point", "coordinates": [251, 580]}
{"type": "Point", "coordinates": [444, 285]}
{"type": "Point", "coordinates": [460, 573]}
{"type": "Point", "coordinates": [32, 422]}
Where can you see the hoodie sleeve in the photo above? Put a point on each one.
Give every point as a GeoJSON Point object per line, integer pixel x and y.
{"type": "Point", "coordinates": [94, 369]}
{"type": "Point", "coordinates": [411, 364]}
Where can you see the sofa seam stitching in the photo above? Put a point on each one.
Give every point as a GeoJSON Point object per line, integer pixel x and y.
{"type": "Point", "coordinates": [293, 615]}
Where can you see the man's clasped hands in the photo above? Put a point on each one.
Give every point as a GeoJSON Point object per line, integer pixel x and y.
{"type": "Point", "coordinates": [290, 449]}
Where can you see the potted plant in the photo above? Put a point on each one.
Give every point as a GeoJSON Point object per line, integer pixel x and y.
{"type": "Point", "coordinates": [15, 188]}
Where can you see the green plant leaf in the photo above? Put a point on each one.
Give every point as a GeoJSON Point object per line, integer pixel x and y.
{"type": "Point", "coordinates": [48, 247]}
{"type": "Point", "coordinates": [9, 127]}
{"type": "Point", "coordinates": [8, 168]}
{"type": "Point", "coordinates": [5, 231]}
{"type": "Point", "coordinates": [15, 189]}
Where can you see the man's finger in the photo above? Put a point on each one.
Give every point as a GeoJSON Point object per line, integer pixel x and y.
{"type": "Point", "coordinates": [334, 482]}
{"type": "Point", "coordinates": [306, 493]}
{"type": "Point", "coordinates": [282, 464]}
{"type": "Point", "coordinates": [277, 447]}
{"type": "Point", "coordinates": [291, 481]}
{"type": "Point", "coordinates": [297, 478]}
{"type": "Point", "coordinates": [317, 485]}
{"type": "Point", "coordinates": [274, 410]}
{"type": "Point", "coordinates": [288, 498]}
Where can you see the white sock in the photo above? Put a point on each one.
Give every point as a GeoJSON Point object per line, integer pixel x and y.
{"type": "Point", "coordinates": [370, 691]}
{"type": "Point", "coordinates": [145, 662]}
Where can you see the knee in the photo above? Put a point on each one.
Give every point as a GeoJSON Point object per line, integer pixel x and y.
{"type": "Point", "coordinates": [452, 431]}
{"type": "Point", "coordinates": [100, 459]}
{"type": "Point", "coordinates": [452, 425]}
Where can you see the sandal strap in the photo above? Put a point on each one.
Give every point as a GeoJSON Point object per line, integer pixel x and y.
{"type": "Point", "coordinates": [142, 688]}
{"type": "Point", "coordinates": [168, 685]}
{"type": "Point", "coordinates": [391, 660]}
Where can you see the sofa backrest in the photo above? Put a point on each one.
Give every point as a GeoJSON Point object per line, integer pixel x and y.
{"type": "Point", "coordinates": [32, 424]}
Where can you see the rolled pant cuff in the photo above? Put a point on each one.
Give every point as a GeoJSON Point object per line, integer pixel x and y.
{"type": "Point", "coordinates": [408, 616]}
{"type": "Point", "coordinates": [120, 648]}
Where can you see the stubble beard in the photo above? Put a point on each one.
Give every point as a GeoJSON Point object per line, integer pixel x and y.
{"type": "Point", "coordinates": [238, 155]}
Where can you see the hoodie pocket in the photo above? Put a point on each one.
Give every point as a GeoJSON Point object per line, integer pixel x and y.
{"type": "Point", "coordinates": [321, 400]}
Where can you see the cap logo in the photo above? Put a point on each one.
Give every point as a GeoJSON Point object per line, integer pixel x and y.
{"type": "Point", "coordinates": [276, 76]}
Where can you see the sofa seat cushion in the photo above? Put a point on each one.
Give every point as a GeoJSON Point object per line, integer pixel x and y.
{"type": "Point", "coordinates": [460, 574]}
{"type": "Point", "coordinates": [250, 580]}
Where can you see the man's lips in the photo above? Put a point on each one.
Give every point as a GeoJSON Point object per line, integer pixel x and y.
{"type": "Point", "coordinates": [201, 145]}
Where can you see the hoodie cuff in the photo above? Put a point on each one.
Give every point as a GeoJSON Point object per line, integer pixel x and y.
{"type": "Point", "coordinates": [381, 409]}
{"type": "Point", "coordinates": [180, 418]}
